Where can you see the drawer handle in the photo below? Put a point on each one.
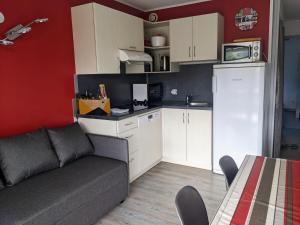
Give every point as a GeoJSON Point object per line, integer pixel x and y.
{"type": "Point", "coordinates": [130, 136]}
{"type": "Point", "coordinates": [132, 47]}
{"type": "Point", "coordinates": [128, 124]}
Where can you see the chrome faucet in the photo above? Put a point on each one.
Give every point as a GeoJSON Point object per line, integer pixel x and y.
{"type": "Point", "coordinates": [188, 99]}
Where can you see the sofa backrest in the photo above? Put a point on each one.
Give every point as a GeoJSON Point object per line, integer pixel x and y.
{"type": "Point", "coordinates": [1, 184]}
{"type": "Point", "coordinates": [35, 152]}
{"type": "Point", "coordinates": [26, 155]}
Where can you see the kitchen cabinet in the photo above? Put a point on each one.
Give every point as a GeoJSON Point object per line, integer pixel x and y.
{"type": "Point", "coordinates": [98, 34]}
{"type": "Point", "coordinates": [153, 29]}
{"type": "Point", "coordinates": [199, 138]}
{"type": "Point", "coordinates": [181, 39]}
{"type": "Point", "coordinates": [144, 135]}
{"type": "Point", "coordinates": [197, 38]}
{"type": "Point", "coordinates": [187, 137]}
{"type": "Point", "coordinates": [174, 135]}
{"type": "Point", "coordinates": [127, 128]}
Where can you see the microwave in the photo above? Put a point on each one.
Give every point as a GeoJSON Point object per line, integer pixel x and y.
{"type": "Point", "coordinates": [242, 52]}
{"type": "Point", "coordinates": [145, 95]}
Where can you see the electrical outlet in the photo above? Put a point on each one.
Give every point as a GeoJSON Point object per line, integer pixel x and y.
{"type": "Point", "coordinates": [174, 92]}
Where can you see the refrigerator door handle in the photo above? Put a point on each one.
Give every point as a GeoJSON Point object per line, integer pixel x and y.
{"type": "Point", "coordinates": [214, 84]}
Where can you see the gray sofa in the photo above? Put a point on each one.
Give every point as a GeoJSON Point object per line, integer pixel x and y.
{"type": "Point", "coordinates": [78, 193]}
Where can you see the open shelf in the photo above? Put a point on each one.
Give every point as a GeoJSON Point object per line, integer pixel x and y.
{"type": "Point", "coordinates": [149, 25]}
{"type": "Point", "coordinates": [157, 48]}
{"type": "Point", "coordinates": [154, 72]}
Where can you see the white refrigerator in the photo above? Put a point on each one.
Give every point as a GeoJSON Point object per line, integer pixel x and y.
{"type": "Point", "coordinates": [238, 112]}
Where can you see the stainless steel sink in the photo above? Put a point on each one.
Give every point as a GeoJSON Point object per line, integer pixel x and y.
{"type": "Point", "coordinates": [198, 104]}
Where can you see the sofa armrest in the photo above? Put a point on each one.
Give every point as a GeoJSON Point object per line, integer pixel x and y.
{"type": "Point", "coordinates": [110, 147]}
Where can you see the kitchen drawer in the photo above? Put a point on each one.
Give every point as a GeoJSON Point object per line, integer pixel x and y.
{"type": "Point", "coordinates": [134, 166]}
{"type": "Point", "coordinates": [132, 138]}
{"type": "Point", "coordinates": [127, 124]}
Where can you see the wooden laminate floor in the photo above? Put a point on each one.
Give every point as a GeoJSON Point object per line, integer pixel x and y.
{"type": "Point", "coordinates": [151, 199]}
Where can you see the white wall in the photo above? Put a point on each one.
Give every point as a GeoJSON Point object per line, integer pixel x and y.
{"type": "Point", "coordinates": [292, 28]}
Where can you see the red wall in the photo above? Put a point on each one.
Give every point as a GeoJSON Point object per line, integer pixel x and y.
{"type": "Point", "coordinates": [228, 8]}
{"type": "Point", "coordinates": [36, 74]}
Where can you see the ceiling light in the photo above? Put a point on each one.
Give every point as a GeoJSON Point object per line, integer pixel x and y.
{"type": "Point", "coordinates": [6, 42]}
{"type": "Point", "coordinates": [19, 30]}
{"type": "Point", "coordinates": [43, 20]}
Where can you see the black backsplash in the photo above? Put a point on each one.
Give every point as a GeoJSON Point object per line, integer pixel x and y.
{"type": "Point", "coordinates": [192, 79]}
{"type": "Point", "coordinates": [195, 80]}
{"type": "Point", "coordinates": [118, 87]}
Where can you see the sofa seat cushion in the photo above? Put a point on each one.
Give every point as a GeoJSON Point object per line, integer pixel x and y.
{"type": "Point", "coordinates": [49, 197]}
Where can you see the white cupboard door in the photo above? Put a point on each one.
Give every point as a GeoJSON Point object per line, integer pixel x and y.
{"type": "Point", "coordinates": [84, 45]}
{"type": "Point", "coordinates": [181, 39]}
{"type": "Point", "coordinates": [174, 135]}
{"type": "Point", "coordinates": [107, 34]}
{"type": "Point", "coordinates": [205, 37]}
{"type": "Point", "coordinates": [131, 36]}
{"type": "Point", "coordinates": [134, 165]}
{"type": "Point", "coordinates": [199, 138]}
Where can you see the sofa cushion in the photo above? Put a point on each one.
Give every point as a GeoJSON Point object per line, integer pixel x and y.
{"type": "Point", "coordinates": [51, 197]}
{"type": "Point", "coordinates": [70, 143]}
{"type": "Point", "coordinates": [26, 155]}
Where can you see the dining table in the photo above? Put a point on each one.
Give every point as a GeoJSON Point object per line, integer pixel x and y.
{"type": "Point", "coordinates": [264, 191]}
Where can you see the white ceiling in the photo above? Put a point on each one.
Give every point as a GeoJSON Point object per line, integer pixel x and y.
{"type": "Point", "coordinates": [291, 9]}
{"type": "Point", "coordinates": [149, 5]}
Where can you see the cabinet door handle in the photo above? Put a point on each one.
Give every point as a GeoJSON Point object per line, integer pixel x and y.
{"type": "Point", "coordinates": [128, 124]}
{"type": "Point", "coordinates": [194, 51]}
{"type": "Point", "coordinates": [188, 118]}
{"type": "Point", "coordinates": [183, 118]}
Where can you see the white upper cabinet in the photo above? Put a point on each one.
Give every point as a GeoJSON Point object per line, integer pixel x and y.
{"type": "Point", "coordinates": [197, 38]}
{"type": "Point", "coordinates": [181, 39]}
{"type": "Point", "coordinates": [98, 33]}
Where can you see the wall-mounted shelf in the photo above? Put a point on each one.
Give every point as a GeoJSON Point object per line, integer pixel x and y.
{"type": "Point", "coordinates": [157, 48]}
{"type": "Point", "coordinates": [154, 29]}
{"type": "Point", "coordinates": [155, 72]}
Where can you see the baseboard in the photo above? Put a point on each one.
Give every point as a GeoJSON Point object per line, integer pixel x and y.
{"type": "Point", "coordinates": [185, 163]}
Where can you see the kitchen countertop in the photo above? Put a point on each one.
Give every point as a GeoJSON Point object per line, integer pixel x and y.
{"type": "Point", "coordinates": [170, 104]}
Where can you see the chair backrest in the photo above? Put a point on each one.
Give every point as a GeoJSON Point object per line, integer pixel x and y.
{"type": "Point", "coordinates": [229, 169]}
{"type": "Point", "coordinates": [190, 207]}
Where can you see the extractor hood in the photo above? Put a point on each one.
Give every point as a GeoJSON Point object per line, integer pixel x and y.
{"type": "Point", "coordinates": [130, 56]}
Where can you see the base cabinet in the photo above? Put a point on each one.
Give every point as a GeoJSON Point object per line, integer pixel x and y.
{"type": "Point", "coordinates": [199, 138]}
{"type": "Point", "coordinates": [174, 135]}
{"type": "Point", "coordinates": [144, 139]}
{"type": "Point", "coordinates": [187, 137]}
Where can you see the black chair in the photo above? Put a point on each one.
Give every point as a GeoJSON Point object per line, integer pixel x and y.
{"type": "Point", "coordinates": [229, 169]}
{"type": "Point", "coordinates": [190, 207]}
